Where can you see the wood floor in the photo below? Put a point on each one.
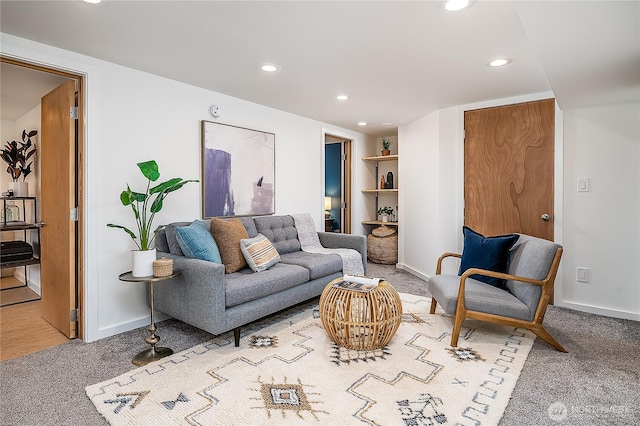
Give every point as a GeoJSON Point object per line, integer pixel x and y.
{"type": "Point", "coordinates": [14, 291]}
{"type": "Point", "coordinates": [22, 329]}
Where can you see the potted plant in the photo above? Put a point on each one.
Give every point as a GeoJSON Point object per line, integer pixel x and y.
{"type": "Point", "coordinates": [16, 154]}
{"type": "Point", "coordinates": [385, 212]}
{"type": "Point", "coordinates": [145, 205]}
{"type": "Point", "coordinates": [386, 143]}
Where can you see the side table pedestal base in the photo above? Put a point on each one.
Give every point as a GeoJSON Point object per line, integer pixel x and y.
{"type": "Point", "coordinates": [150, 355]}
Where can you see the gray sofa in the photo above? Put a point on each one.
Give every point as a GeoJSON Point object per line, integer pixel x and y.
{"type": "Point", "coordinates": [207, 298]}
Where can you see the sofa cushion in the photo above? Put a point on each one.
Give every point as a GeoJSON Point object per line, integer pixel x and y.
{"type": "Point", "coordinates": [259, 253]}
{"type": "Point", "coordinates": [281, 231]}
{"type": "Point", "coordinates": [249, 225]}
{"type": "Point", "coordinates": [319, 265]}
{"type": "Point", "coordinates": [227, 233]}
{"type": "Point", "coordinates": [491, 253]}
{"type": "Point", "coordinates": [482, 297]}
{"type": "Point", "coordinates": [172, 240]}
{"type": "Point", "coordinates": [197, 242]}
{"type": "Point", "coordinates": [245, 285]}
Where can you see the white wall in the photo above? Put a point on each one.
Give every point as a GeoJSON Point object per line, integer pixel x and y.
{"type": "Point", "coordinates": [133, 116]}
{"type": "Point", "coordinates": [602, 226]}
{"type": "Point", "coordinates": [600, 230]}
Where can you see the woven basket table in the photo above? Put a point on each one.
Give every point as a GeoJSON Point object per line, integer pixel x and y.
{"type": "Point", "coordinates": [360, 320]}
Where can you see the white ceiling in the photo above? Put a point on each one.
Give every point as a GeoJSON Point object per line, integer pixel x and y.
{"type": "Point", "coordinates": [398, 61]}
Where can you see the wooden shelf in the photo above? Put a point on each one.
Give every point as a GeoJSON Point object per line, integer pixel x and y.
{"type": "Point", "coordinates": [379, 222]}
{"type": "Point", "coordinates": [32, 261]}
{"type": "Point", "coordinates": [21, 227]}
{"type": "Point", "coordinates": [379, 190]}
{"type": "Point", "coordinates": [381, 158]}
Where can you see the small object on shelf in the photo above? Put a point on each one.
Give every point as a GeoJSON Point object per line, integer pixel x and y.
{"type": "Point", "coordinates": [11, 213]}
{"type": "Point", "coordinates": [389, 183]}
{"type": "Point", "coordinates": [381, 182]}
{"type": "Point", "coordinates": [162, 267]}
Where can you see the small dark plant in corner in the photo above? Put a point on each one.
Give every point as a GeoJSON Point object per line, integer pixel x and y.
{"type": "Point", "coordinates": [385, 211]}
{"type": "Point", "coordinates": [16, 154]}
{"type": "Point", "coordinates": [145, 206]}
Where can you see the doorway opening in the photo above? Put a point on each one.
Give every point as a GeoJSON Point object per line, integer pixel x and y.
{"type": "Point", "coordinates": [337, 184]}
{"type": "Point", "coordinates": [49, 282]}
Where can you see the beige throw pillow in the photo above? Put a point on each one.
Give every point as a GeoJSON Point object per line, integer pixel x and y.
{"type": "Point", "coordinates": [259, 253]}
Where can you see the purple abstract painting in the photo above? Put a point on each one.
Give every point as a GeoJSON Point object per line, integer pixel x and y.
{"type": "Point", "coordinates": [238, 171]}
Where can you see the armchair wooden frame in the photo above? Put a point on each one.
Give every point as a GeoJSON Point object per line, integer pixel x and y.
{"type": "Point", "coordinates": [534, 325]}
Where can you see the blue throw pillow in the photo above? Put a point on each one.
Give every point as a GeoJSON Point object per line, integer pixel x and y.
{"type": "Point", "coordinates": [490, 253]}
{"type": "Point", "coordinates": [197, 242]}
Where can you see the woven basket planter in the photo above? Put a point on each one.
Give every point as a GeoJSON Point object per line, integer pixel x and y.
{"type": "Point", "coordinates": [382, 249]}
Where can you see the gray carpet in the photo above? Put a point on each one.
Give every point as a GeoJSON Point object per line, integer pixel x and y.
{"type": "Point", "coordinates": [595, 383]}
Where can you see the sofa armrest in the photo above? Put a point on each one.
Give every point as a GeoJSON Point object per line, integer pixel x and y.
{"type": "Point", "coordinates": [338, 240]}
{"type": "Point", "coordinates": [196, 296]}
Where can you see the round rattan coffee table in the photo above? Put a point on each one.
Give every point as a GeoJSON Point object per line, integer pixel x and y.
{"type": "Point", "coordinates": [360, 320]}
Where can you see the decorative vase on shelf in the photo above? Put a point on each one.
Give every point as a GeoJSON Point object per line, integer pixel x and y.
{"type": "Point", "coordinates": [386, 152]}
{"type": "Point", "coordinates": [385, 218]}
{"type": "Point", "coordinates": [143, 262]}
{"type": "Point", "coordinates": [20, 189]}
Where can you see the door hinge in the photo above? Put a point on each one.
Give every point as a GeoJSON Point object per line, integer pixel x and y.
{"type": "Point", "coordinates": [343, 205]}
{"type": "Point", "coordinates": [73, 113]}
{"type": "Point", "coordinates": [73, 214]}
{"type": "Point", "coordinates": [73, 316]}
{"type": "Point", "coordinates": [344, 157]}
{"type": "Point", "coordinates": [464, 134]}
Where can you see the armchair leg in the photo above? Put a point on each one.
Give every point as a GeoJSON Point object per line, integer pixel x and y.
{"type": "Point", "coordinates": [457, 326]}
{"type": "Point", "coordinates": [542, 333]}
{"type": "Point", "coordinates": [433, 305]}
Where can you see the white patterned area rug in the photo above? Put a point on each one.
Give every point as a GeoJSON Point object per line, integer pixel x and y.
{"type": "Point", "coordinates": [291, 373]}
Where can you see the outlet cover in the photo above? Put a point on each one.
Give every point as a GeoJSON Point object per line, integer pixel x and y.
{"type": "Point", "coordinates": [582, 275]}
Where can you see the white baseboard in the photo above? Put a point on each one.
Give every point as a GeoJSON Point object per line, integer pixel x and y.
{"type": "Point", "coordinates": [599, 311]}
{"type": "Point", "coordinates": [412, 271]}
{"type": "Point", "coordinates": [131, 325]}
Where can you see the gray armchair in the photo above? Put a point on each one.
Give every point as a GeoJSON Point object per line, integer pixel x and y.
{"type": "Point", "coordinates": [533, 264]}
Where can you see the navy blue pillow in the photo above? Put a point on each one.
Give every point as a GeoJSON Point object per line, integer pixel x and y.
{"type": "Point", "coordinates": [490, 253]}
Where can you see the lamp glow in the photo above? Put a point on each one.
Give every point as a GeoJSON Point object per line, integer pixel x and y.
{"type": "Point", "coordinates": [327, 206]}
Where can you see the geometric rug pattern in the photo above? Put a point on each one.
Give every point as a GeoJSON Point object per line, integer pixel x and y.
{"type": "Point", "coordinates": [291, 373]}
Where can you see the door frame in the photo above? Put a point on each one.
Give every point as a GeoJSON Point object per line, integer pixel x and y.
{"type": "Point", "coordinates": [79, 172]}
{"type": "Point", "coordinates": [346, 178]}
{"type": "Point", "coordinates": [558, 187]}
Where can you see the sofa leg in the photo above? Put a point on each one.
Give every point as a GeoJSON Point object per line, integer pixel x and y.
{"type": "Point", "coordinates": [236, 336]}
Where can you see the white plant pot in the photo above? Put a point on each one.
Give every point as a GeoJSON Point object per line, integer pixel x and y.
{"type": "Point", "coordinates": [143, 262]}
{"type": "Point", "coordinates": [385, 218]}
{"type": "Point", "coordinates": [20, 189]}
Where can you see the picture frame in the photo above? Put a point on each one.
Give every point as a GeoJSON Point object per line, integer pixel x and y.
{"type": "Point", "coordinates": [238, 171]}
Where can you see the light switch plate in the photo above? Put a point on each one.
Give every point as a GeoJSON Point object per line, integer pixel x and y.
{"type": "Point", "coordinates": [583, 184]}
{"type": "Point", "coordinates": [582, 275]}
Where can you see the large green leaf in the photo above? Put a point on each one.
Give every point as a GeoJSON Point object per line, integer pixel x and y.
{"type": "Point", "coordinates": [164, 185]}
{"type": "Point", "coordinates": [131, 234]}
{"type": "Point", "coordinates": [150, 170]}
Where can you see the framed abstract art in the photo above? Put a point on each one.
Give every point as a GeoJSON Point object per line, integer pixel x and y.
{"type": "Point", "coordinates": [238, 171]}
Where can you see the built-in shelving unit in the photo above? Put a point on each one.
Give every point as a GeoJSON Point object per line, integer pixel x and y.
{"type": "Point", "coordinates": [378, 191]}
{"type": "Point", "coordinates": [25, 228]}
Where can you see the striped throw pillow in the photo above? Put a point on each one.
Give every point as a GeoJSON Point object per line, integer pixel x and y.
{"type": "Point", "coordinates": [259, 253]}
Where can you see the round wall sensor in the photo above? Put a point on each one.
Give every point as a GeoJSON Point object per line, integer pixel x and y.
{"type": "Point", "coordinates": [214, 110]}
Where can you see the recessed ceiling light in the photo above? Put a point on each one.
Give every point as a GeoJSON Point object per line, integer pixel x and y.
{"type": "Point", "coordinates": [498, 62]}
{"type": "Point", "coordinates": [92, 1]}
{"type": "Point", "coordinates": [386, 123]}
{"type": "Point", "coordinates": [342, 97]}
{"type": "Point", "coordinates": [455, 5]}
{"type": "Point", "coordinates": [270, 68]}
{"type": "Point", "coordinates": [362, 123]}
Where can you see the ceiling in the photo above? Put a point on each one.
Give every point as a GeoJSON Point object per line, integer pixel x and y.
{"type": "Point", "coordinates": [397, 61]}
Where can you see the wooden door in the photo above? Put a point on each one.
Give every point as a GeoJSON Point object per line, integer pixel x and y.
{"type": "Point", "coordinates": [508, 169]}
{"type": "Point", "coordinates": [58, 246]}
